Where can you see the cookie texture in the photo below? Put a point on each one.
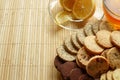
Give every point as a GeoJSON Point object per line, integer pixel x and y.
{"type": "Point", "coordinates": [88, 30]}
{"type": "Point", "coordinates": [66, 69]}
{"type": "Point", "coordinates": [103, 38]}
{"type": "Point", "coordinates": [113, 57]}
{"type": "Point", "coordinates": [64, 55]}
{"type": "Point", "coordinates": [75, 73]}
{"type": "Point", "coordinates": [81, 36]}
{"type": "Point", "coordinates": [115, 38]}
{"type": "Point", "coordinates": [103, 76]}
{"type": "Point", "coordinates": [58, 62]}
{"type": "Point", "coordinates": [91, 45]}
{"type": "Point", "coordinates": [69, 47]}
{"type": "Point", "coordinates": [85, 77]}
{"type": "Point", "coordinates": [83, 57]}
{"type": "Point", "coordinates": [104, 53]}
{"type": "Point", "coordinates": [110, 75]}
{"type": "Point", "coordinates": [75, 42]}
{"type": "Point", "coordinates": [116, 74]}
{"type": "Point", "coordinates": [97, 65]}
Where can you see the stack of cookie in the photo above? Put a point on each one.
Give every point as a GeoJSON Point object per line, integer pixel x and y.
{"type": "Point", "coordinates": [92, 51]}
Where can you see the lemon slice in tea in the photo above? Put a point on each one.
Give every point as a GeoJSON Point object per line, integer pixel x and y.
{"type": "Point", "coordinates": [83, 9]}
{"type": "Point", "coordinates": [63, 17]}
{"type": "Point", "coordinates": [67, 4]}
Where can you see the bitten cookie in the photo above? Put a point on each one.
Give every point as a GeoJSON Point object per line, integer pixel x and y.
{"type": "Point", "coordinates": [116, 74]}
{"type": "Point", "coordinates": [75, 74]}
{"type": "Point", "coordinates": [103, 76]}
{"type": "Point", "coordinates": [75, 42]}
{"type": "Point", "coordinates": [92, 46]}
{"type": "Point", "coordinates": [66, 68]}
{"type": "Point", "coordinates": [88, 30]}
{"type": "Point", "coordinates": [69, 47]}
{"type": "Point", "coordinates": [104, 25]}
{"type": "Point", "coordinates": [115, 38]}
{"type": "Point", "coordinates": [81, 36]}
{"type": "Point", "coordinates": [83, 57]}
{"type": "Point", "coordinates": [113, 57]}
{"type": "Point", "coordinates": [110, 75]}
{"type": "Point", "coordinates": [58, 62]}
{"type": "Point", "coordinates": [85, 77]}
{"type": "Point", "coordinates": [64, 54]}
{"type": "Point", "coordinates": [97, 65]}
{"type": "Point", "coordinates": [103, 38]}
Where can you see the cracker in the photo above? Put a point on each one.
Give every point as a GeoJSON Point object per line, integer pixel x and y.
{"type": "Point", "coordinates": [97, 65]}
{"type": "Point", "coordinates": [64, 54]}
{"type": "Point", "coordinates": [69, 47]}
{"type": "Point", "coordinates": [113, 57]}
{"type": "Point", "coordinates": [88, 30]}
{"type": "Point", "coordinates": [115, 38]}
{"type": "Point", "coordinates": [92, 46]}
{"type": "Point", "coordinates": [103, 38]}
{"type": "Point", "coordinates": [83, 57]}
{"type": "Point", "coordinates": [116, 74]}
{"type": "Point", "coordinates": [81, 36]}
{"type": "Point", "coordinates": [75, 42]}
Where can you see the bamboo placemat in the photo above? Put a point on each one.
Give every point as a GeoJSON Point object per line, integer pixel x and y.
{"type": "Point", "coordinates": [28, 40]}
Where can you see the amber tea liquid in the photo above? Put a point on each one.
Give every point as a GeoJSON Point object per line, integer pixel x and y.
{"type": "Point", "coordinates": [112, 12]}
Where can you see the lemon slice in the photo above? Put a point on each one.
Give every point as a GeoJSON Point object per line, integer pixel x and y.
{"type": "Point", "coordinates": [67, 4]}
{"type": "Point", "coordinates": [63, 17]}
{"type": "Point", "coordinates": [83, 9]}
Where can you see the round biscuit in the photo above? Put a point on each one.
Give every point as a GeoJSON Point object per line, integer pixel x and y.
{"type": "Point", "coordinates": [75, 42]}
{"type": "Point", "coordinates": [64, 54]}
{"type": "Point", "coordinates": [97, 65]}
{"type": "Point", "coordinates": [113, 56]}
{"type": "Point", "coordinates": [103, 76]}
{"type": "Point", "coordinates": [116, 74]}
{"type": "Point", "coordinates": [88, 30]}
{"type": "Point", "coordinates": [91, 45]}
{"type": "Point", "coordinates": [81, 36]}
{"type": "Point", "coordinates": [103, 38]}
{"type": "Point", "coordinates": [115, 38]}
{"type": "Point", "coordinates": [110, 75]}
{"type": "Point", "coordinates": [69, 47]}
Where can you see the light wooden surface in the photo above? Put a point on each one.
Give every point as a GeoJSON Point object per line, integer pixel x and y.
{"type": "Point", "coordinates": [28, 41]}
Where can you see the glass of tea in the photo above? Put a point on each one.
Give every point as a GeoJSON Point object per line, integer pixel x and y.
{"type": "Point", "coordinates": [112, 12]}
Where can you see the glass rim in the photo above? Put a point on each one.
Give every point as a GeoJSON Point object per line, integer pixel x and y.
{"type": "Point", "coordinates": [106, 7]}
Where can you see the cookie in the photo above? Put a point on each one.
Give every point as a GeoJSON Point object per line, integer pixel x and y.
{"type": "Point", "coordinates": [91, 45]}
{"type": "Point", "coordinates": [116, 74]}
{"type": "Point", "coordinates": [66, 68]}
{"type": "Point", "coordinates": [88, 30]}
{"type": "Point", "coordinates": [58, 62]}
{"type": "Point", "coordinates": [110, 75]}
{"type": "Point", "coordinates": [95, 27]}
{"type": "Point", "coordinates": [75, 74]}
{"type": "Point", "coordinates": [103, 38]}
{"type": "Point", "coordinates": [97, 65]}
{"type": "Point", "coordinates": [69, 47]}
{"type": "Point", "coordinates": [104, 53]}
{"type": "Point", "coordinates": [75, 42]}
{"type": "Point", "coordinates": [104, 25]}
{"type": "Point", "coordinates": [113, 57]}
{"type": "Point", "coordinates": [115, 38]}
{"type": "Point", "coordinates": [85, 77]}
{"type": "Point", "coordinates": [103, 76]}
{"type": "Point", "coordinates": [81, 36]}
{"type": "Point", "coordinates": [64, 55]}
{"type": "Point", "coordinates": [83, 57]}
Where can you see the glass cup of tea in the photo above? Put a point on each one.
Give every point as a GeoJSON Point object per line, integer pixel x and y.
{"type": "Point", "coordinates": [75, 14]}
{"type": "Point", "coordinates": [112, 12]}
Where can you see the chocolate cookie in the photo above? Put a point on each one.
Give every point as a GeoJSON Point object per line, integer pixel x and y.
{"type": "Point", "coordinates": [75, 74]}
{"type": "Point", "coordinates": [58, 62]}
{"type": "Point", "coordinates": [85, 77]}
{"type": "Point", "coordinates": [66, 68]}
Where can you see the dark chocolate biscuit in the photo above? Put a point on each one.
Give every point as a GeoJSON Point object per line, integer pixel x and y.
{"type": "Point", "coordinates": [75, 74]}
{"type": "Point", "coordinates": [85, 77]}
{"type": "Point", "coordinates": [66, 68]}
